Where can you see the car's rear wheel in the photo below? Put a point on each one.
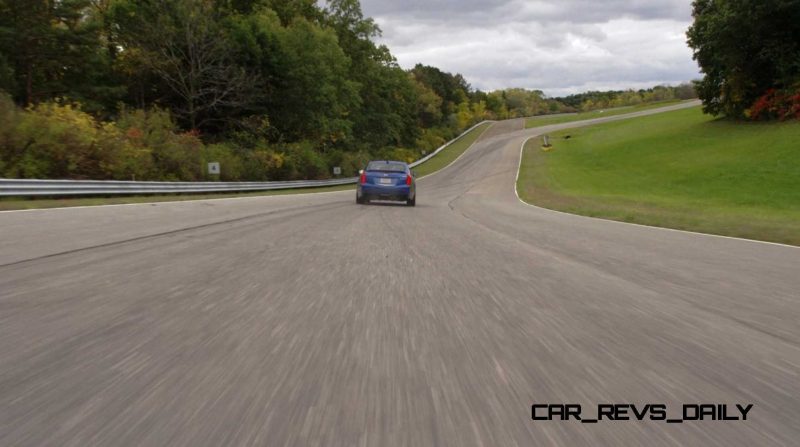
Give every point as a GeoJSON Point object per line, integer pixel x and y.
{"type": "Point", "coordinates": [411, 202]}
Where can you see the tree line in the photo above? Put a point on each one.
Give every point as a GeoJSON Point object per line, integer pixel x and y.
{"type": "Point", "coordinates": [749, 52]}
{"type": "Point", "coordinates": [272, 89]}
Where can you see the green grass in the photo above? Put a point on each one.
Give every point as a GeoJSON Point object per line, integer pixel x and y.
{"type": "Point", "coordinates": [545, 120]}
{"type": "Point", "coordinates": [452, 152]}
{"type": "Point", "coordinates": [678, 169]}
{"type": "Point", "coordinates": [438, 162]}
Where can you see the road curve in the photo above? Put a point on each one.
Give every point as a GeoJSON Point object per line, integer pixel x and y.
{"type": "Point", "coordinates": [310, 320]}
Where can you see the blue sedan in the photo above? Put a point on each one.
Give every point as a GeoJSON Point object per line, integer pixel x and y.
{"type": "Point", "coordinates": [387, 180]}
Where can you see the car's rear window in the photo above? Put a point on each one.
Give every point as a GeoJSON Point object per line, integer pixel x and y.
{"type": "Point", "coordinates": [386, 166]}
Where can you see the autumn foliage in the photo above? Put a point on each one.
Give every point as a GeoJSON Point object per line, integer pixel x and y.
{"type": "Point", "coordinates": [776, 104]}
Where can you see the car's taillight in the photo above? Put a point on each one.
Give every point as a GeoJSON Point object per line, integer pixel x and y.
{"type": "Point", "coordinates": [408, 179]}
{"type": "Point", "coordinates": [363, 179]}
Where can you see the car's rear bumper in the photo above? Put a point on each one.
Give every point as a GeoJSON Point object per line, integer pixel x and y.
{"type": "Point", "coordinates": [375, 192]}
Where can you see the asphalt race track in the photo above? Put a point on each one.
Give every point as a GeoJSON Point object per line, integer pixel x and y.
{"type": "Point", "coordinates": [310, 320]}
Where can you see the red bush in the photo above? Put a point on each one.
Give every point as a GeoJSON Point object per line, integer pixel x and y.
{"type": "Point", "coordinates": [776, 104]}
{"type": "Point", "coordinates": [795, 110]}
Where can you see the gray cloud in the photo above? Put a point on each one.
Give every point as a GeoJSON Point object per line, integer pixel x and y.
{"type": "Point", "coordinates": [575, 11]}
{"type": "Point", "coordinates": [560, 47]}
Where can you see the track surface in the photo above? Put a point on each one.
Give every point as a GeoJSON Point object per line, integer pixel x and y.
{"type": "Point", "coordinates": [310, 320]}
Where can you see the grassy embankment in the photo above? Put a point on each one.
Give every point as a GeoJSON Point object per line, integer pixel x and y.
{"type": "Point", "coordinates": [545, 120]}
{"type": "Point", "coordinates": [678, 169]}
{"type": "Point", "coordinates": [438, 162]}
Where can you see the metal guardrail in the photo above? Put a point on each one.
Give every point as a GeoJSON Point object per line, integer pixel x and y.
{"type": "Point", "coordinates": [446, 145]}
{"type": "Point", "coordinates": [32, 187]}
{"type": "Point", "coordinates": [29, 188]}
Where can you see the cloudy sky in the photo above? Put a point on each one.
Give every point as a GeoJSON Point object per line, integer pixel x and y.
{"type": "Point", "coordinates": [558, 46]}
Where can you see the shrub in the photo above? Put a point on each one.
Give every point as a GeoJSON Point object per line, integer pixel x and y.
{"type": "Point", "coordinates": [231, 165]}
{"type": "Point", "coordinates": [60, 141]}
{"type": "Point", "coordinates": [403, 154]}
{"type": "Point", "coordinates": [430, 140]}
{"type": "Point", "coordinates": [264, 164]}
{"type": "Point", "coordinates": [9, 118]}
{"type": "Point", "coordinates": [165, 154]}
{"type": "Point", "coordinates": [132, 162]}
{"type": "Point", "coordinates": [776, 104]}
{"type": "Point", "coordinates": [304, 163]}
{"type": "Point", "coordinates": [54, 140]}
{"type": "Point", "coordinates": [350, 162]}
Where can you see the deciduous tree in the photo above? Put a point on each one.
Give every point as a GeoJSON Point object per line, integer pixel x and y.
{"type": "Point", "coordinates": [744, 48]}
